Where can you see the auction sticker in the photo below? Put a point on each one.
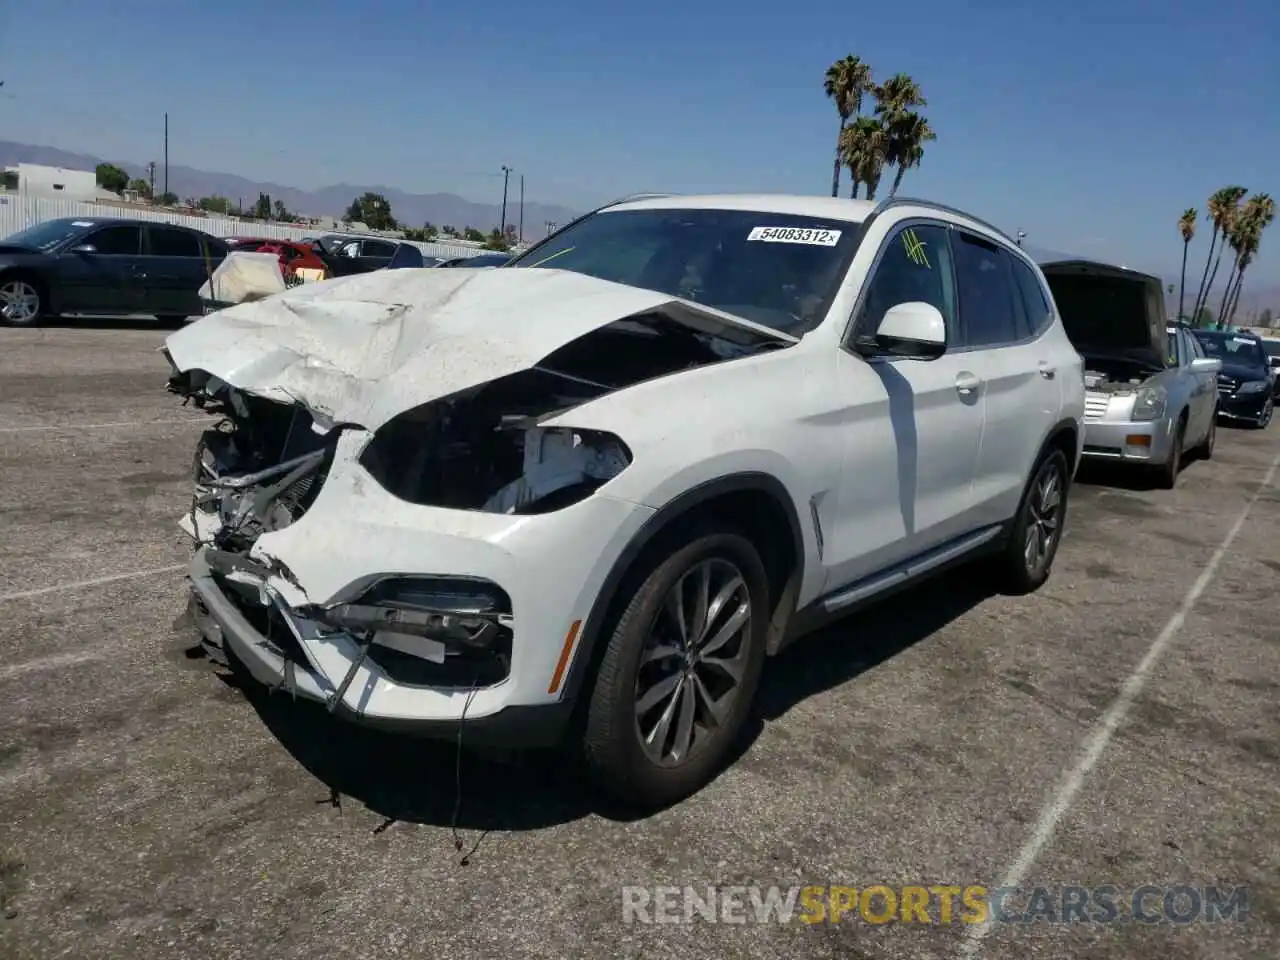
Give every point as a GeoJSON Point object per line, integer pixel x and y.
{"type": "Point", "coordinates": [813, 236]}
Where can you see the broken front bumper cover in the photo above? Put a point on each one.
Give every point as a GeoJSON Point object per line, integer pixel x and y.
{"type": "Point", "coordinates": [223, 626]}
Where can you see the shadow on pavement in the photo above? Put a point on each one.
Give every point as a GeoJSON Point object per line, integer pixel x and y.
{"type": "Point", "coordinates": [433, 782]}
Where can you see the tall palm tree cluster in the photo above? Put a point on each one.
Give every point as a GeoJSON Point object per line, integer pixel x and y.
{"type": "Point", "coordinates": [892, 135]}
{"type": "Point", "coordinates": [1239, 221]}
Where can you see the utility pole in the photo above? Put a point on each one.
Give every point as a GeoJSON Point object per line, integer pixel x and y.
{"type": "Point", "coordinates": [502, 220]}
{"type": "Point", "coordinates": [166, 153]}
{"type": "Point", "coordinates": [520, 229]}
{"type": "Point", "coordinates": [151, 179]}
{"type": "Point", "coordinates": [1021, 236]}
{"type": "Point", "coordinates": [551, 225]}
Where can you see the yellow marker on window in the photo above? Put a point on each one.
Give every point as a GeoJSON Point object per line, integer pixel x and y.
{"type": "Point", "coordinates": [915, 248]}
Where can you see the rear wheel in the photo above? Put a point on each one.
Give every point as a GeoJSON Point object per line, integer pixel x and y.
{"type": "Point", "coordinates": [1265, 420]}
{"type": "Point", "coordinates": [20, 302]}
{"type": "Point", "coordinates": [679, 672]}
{"type": "Point", "coordinates": [1037, 527]}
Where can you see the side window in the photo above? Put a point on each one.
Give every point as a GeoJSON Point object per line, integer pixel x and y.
{"type": "Point", "coordinates": [915, 265]}
{"type": "Point", "coordinates": [984, 281]}
{"type": "Point", "coordinates": [1034, 302]}
{"type": "Point", "coordinates": [117, 241]}
{"type": "Point", "coordinates": [1197, 351]}
{"type": "Point", "coordinates": [378, 248]}
{"type": "Point", "coordinates": [167, 242]}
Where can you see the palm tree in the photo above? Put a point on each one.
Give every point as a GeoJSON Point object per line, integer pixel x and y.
{"type": "Point", "coordinates": [1222, 207]}
{"type": "Point", "coordinates": [1258, 213]}
{"type": "Point", "coordinates": [1186, 227]}
{"type": "Point", "coordinates": [848, 80]}
{"type": "Point", "coordinates": [898, 94]}
{"type": "Point", "coordinates": [864, 146]}
{"type": "Point", "coordinates": [908, 133]}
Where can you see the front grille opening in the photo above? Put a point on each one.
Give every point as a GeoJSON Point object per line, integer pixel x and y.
{"type": "Point", "coordinates": [461, 669]}
{"type": "Point", "coordinates": [267, 621]}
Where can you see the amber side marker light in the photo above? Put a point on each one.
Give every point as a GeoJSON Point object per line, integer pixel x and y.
{"type": "Point", "coordinates": [1138, 440]}
{"type": "Point", "coordinates": [569, 640]}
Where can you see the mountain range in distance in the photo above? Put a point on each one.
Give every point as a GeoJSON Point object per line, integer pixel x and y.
{"type": "Point", "coordinates": [415, 209]}
{"type": "Point", "coordinates": [410, 209]}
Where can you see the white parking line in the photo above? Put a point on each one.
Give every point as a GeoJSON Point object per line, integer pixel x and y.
{"type": "Point", "coordinates": [48, 428]}
{"type": "Point", "coordinates": [50, 663]}
{"type": "Point", "coordinates": [1104, 730]}
{"type": "Point", "coordinates": [83, 584]}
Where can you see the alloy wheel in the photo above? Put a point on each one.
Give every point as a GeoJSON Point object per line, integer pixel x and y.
{"type": "Point", "coordinates": [1044, 513]}
{"type": "Point", "coordinates": [19, 302]}
{"type": "Point", "coordinates": [693, 662]}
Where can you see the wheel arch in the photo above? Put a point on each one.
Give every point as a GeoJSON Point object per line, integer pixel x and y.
{"type": "Point", "coordinates": [786, 568]}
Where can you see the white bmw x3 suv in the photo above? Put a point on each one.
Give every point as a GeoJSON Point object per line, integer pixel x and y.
{"type": "Point", "coordinates": [588, 495]}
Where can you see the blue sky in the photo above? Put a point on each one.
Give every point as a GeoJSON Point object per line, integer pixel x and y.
{"type": "Point", "coordinates": [1090, 125]}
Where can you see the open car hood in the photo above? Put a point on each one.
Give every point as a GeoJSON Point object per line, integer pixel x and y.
{"type": "Point", "coordinates": [362, 349]}
{"type": "Point", "coordinates": [1106, 309]}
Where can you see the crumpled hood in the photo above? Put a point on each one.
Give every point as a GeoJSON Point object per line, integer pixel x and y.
{"type": "Point", "coordinates": [363, 349]}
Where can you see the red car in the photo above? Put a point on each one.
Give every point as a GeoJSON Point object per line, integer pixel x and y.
{"type": "Point", "coordinates": [293, 255]}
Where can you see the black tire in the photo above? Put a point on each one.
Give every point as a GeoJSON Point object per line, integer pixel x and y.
{"type": "Point", "coordinates": [1205, 450]}
{"type": "Point", "coordinates": [1167, 474]}
{"type": "Point", "coordinates": [615, 756]}
{"type": "Point", "coordinates": [31, 317]}
{"type": "Point", "coordinates": [1265, 420]}
{"type": "Point", "coordinates": [1015, 573]}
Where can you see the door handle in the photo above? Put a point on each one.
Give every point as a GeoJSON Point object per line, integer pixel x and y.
{"type": "Point", "coordinates": [1047, 371]}
{"type": "Point", "coordinates": [967, 383]}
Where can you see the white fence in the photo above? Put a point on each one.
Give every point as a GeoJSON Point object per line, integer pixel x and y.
{"type": "Point", "coordinates": [19, 211]}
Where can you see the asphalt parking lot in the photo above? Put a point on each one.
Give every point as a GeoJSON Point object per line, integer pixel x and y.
{"type": "Point", "coordinates": [1119, 727]}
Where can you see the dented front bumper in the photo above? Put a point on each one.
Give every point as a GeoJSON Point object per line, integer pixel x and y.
{"type": "Point", "coordinates": [281, 664]}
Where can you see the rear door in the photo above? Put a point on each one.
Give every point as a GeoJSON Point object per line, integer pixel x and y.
{"type": "Point", "coordinates": [375, 254]}
{"type": "Point", "coordinates": [1003, 337]}
{"type": "Point", "coordinates": [176, 268]}
{"type": "Point", "coordinates": [106, 281]}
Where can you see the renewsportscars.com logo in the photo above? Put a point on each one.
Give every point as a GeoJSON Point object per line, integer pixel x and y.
{"type": "Point", "coordinates": [935, 904]}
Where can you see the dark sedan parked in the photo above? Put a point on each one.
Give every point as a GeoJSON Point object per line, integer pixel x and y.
{"type": "Point", "coordinates": [1246, 385]}
{"type": "Point", "coordinates": [346, 255]}
{"type": "Point", "coordinates": [480, 260]}
{"type": "Point", "coordinates": [104, 267]}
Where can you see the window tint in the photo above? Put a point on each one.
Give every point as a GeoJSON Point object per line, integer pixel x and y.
{"type": "Point", "coordinates": [915, 266]}
{"type": "Point", "coordinates": [167, 242]}
{"type": "Point", "coordinates": [117, 241]}
{"type": "Point", "coordinates": [985, 281]}
{"type": "Point", "coordinates": [1197, 351]}
{"type": "Point", "coordinates": [1034, 302]}
{"type": "Point", "coordinates": [378, 248]}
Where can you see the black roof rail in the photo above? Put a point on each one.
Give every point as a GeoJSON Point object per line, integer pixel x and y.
{"type": "Point", "coordinates": [934, 205]}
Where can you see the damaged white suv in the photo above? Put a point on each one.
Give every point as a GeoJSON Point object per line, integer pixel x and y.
{"type": "Point", "coordinates": [589, 494]}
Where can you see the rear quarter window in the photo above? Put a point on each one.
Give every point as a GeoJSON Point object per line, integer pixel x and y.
{"type": "Point", "coordinates": [1035, 303]}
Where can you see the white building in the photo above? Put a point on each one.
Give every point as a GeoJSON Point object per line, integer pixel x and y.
{"type": "Point", "coordinates": [38, 180]}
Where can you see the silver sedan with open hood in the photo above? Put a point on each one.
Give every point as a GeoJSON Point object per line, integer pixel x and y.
{"type": "Point", "coordinates": [1151, 392]}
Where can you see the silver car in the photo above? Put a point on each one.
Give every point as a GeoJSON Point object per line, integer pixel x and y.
{"type": "Point", "coordinates": [1151, 392]}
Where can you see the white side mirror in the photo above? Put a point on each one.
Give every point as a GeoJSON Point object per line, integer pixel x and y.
{"type": "Point", "coordinates": [913, 329]}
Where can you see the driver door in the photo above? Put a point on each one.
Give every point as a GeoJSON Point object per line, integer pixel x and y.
{"type": "Point", "coordinates": [914, 427]}
{"type": "Point", "coordinates": [107, 281]}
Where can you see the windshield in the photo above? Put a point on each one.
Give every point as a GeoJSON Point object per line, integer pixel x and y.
{"type": "Point", "coordinates": [45, 236]}
{"type": "Point", "coordinates": [1233, 349]}
{"type": "Point", "coordinates": [778, 270]}
{"type": "Point", "coordinates": [1272, 347]}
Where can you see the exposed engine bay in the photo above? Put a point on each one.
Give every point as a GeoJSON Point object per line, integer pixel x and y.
{"type": "Point", "coordinates": [1112, 374]}
{"type": "Point", "coordinates": [480, 449]}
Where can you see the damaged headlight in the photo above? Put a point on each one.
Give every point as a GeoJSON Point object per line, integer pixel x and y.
{"type": "Point", "coordinates": [490, 453]}
{"type": "Point", "coordinates": [1150, 403]}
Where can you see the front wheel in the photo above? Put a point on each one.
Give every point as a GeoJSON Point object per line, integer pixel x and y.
{"type": "Point", "coordinates": [1167, 475]}
{"type": "Point", "coordinates": [679, 672]}
{"type": "Point", "coordinates": [1265, 420]}
{"type": "Point", "coordinates": [1037, 527]}
{"type": "Point", "coordinates": [1210, 439]}
{"type": "Point", "coordinates": [20, 302]}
